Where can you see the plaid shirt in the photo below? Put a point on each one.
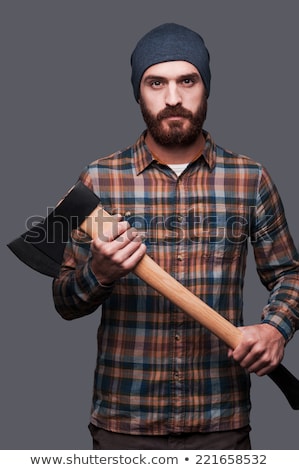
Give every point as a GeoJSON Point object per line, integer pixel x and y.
{"type": "Point", "coordinates": [159, 371]}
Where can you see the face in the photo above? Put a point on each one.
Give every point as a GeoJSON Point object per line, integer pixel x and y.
{"type": "Point", "coordinates": [173, 102]}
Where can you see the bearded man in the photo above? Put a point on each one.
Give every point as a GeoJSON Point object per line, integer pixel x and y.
{"type": "Point", "coordinates": [163, 381]}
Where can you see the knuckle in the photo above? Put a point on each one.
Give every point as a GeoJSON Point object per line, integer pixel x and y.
{"type": "Point", "coordinates": [259, 350]}
{"type": "Point", "coordinates": [123, 226]}
{"type": "Point", "coordinates": [143, 248]}
{"type": "Point", "coordinates": [249, 342]}
{"type": "Point", "coordinates": [116, 258]}
{"type": "Point", "coordinates": [96, 243]}
{"type": "Point", "coordinates": [106, 250]}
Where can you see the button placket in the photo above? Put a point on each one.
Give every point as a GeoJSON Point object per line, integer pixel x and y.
{"type": "Point", "coordinates": [179, 346]}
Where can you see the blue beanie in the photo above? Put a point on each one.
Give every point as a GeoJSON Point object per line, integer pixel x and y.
{"type": "Point", "coordinates": [169, 42]}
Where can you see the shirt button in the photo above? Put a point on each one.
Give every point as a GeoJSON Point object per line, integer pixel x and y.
{"type": "Point", "coordinates": [177, 337]}
{"type": "Point", "coordinates": [180, 258]}
{"type": "Point", "coordinates": [180, 218]}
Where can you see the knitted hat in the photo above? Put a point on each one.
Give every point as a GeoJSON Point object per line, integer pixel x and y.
{"type": "Point", "coordinates": [169, 42]}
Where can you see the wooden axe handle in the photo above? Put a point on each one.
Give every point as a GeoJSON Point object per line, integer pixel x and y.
{"type": "Point", "coordinates": [161, 281]}
{"type": "Point", "coordinates": [100, 223]}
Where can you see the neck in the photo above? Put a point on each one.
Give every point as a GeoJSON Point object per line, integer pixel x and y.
{"type": "Point", "coordinates": [177, 153]}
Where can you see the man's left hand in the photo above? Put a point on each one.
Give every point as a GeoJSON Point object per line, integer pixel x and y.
{"type": "Point", "coordinates": [261, 348]}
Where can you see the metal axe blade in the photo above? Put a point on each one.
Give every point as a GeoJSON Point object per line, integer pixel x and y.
{"type": "Point", "coordinates": [42, 247]}
{"type": "Point", "coordinates": [288, 384]}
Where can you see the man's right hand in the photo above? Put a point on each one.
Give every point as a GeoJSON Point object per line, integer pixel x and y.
{"type": "Point", "coordinates": [118, 254]}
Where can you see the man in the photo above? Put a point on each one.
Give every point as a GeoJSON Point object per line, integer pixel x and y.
{"type": "Point", "coordinates": [162, 381]}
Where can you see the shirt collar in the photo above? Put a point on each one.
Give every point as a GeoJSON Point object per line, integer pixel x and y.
{"type": "Point", "coordinates": [209, 152]}
{"type": "Point", "coordinates": [144, 158]}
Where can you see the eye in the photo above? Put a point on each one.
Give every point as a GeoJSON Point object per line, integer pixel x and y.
{"type": "Point", "coordinates": [156, 83]}
{"type": "Point", "coordinates": [188, 81]}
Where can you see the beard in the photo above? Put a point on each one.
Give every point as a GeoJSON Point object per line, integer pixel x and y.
{"type": "Point", "coordinates": [175, 132]}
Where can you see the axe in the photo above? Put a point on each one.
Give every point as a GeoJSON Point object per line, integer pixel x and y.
{"type": "Point", "coordinates": [42, 249]}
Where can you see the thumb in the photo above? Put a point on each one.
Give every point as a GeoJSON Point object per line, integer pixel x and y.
{"type": "Point", "coordinates": [230, 353]}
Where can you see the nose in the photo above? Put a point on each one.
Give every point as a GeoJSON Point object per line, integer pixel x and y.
{"type": "Point", "coordinates": [172, 97]}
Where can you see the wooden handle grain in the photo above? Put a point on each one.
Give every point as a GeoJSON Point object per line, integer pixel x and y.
{"type": "Point", "coordinates": [100, 223]}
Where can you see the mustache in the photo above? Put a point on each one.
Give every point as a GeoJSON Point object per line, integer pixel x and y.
{"type": "Point", "coordinates": [174, 111]}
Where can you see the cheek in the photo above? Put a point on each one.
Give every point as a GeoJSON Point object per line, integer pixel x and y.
{"type": "Point", "coordinates": [192, 101]}
{"type": "Point", "coordinates": [152, 104]}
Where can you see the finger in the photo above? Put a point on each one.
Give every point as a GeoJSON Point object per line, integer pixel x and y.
{"type": "Point", "coordinates": [119, 249]}
{"type": "Point", "coordinates": [260, 368]}
{"type": "Point", "coordinates": [241, 352]}
{"type": "Point", "coordinates": [125, 238]}
{"type": "Point", "coordinates": [252, 364]}
{"type": "Point", "coordinates": [134, 258]}
{"type": "Point", "coordinates": [230, 353]}
{"type": "Point", "coordinates": [112, 229]}
{"type": "Point", "coordinates": [253, 360]}
{"type": "Point", "coordinates": [259, 361]}
{"type": "Point", "coordinates": [265, 364]}
{"type": "Point", "coordinates": [245, 351]}
{"type": "Point", "coordinates": [124, 247]}
{"type": "Point", "coordinates": [264, 370]}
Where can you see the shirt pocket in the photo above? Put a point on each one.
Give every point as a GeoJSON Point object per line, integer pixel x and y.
{"type": "Point", "coordinates": [222, 251]}
{"type": "Point", "coordinates": [224, 232]}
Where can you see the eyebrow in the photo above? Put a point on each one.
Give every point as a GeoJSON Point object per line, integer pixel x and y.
{"type": "Point", "coordinates": [193, 76]}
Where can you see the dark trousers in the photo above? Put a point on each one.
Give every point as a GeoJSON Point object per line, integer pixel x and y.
{"type": "Point", "coordinates": [234, 440]}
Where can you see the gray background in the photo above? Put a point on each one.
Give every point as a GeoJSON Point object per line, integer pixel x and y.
{"type": "Point", "coordinates": [66, 98]}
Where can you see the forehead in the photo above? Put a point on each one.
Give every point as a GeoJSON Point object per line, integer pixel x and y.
{"type": "Point", "coordinates": [171, 69]}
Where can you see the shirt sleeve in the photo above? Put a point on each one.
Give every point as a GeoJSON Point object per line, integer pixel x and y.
{"type": "Point", "coordinates": [76, 291]}
{"type": "Point", "coordinates": [276, 258]}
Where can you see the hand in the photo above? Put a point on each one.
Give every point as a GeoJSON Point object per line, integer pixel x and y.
{"type": "Point", "coordinates": [261, 348]}
{"type": "Point", "coordinates": [118, 254]}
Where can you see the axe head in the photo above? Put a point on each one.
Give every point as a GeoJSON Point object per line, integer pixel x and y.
{"type": "Point", "coordinates": [42, 247]}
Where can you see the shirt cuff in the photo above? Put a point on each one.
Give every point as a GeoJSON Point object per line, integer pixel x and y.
{"type": "Point", "coordinates": [91, 283]}
{"type": "Point", "coordinates": [281, 322]}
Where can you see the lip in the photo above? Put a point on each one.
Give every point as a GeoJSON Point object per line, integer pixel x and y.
{"type": "Point", "coordinates": [174, 118]}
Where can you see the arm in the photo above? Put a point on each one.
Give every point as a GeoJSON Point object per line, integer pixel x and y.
{"type": "Point", "coordinates": [90, 267]}
{"type": "Point", "coordinates": [277, 261]}
{"type": "Point", "coordinates": [76, 291]}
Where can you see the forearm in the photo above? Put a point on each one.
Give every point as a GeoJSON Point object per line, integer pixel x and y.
{"type": "Point", "coordinates": [77, 292]}
{"type": "Point", "coordinates": [277, 259]}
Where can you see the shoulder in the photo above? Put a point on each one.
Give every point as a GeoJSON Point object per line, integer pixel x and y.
{"type": "Point", "coordinates": [113, 160]}
{"type": "Point", "coordinates": [102, 167]}
{"type": "Point", "coordinates": [229, 157]}
{"type": "Point", "coordinates": [225, 159]}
